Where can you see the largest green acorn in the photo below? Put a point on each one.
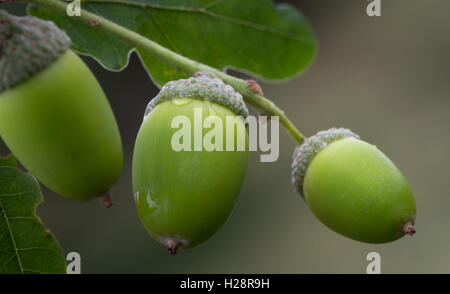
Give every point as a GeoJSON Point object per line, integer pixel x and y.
{"type": "Point", "coordinates": [353, 188]}
{"type": "Point", "coordinates": [188, 163]}
{"type": "Point", "coordinates": [54, 115]}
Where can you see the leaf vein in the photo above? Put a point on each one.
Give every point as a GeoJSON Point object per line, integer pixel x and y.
{"type": "Point", "coordinates": [36, 248]}
{"type": "Point", "coordinates": [166, 36]}
{"type": "Point", "coordinates": [116, 52]}
{"type": "Point", "coordinates": [12, 237]}
{"type": "Point", "coordinates": [34, 270]}
{"type": "Point", "coordinates": [7, 262]}
{"type": "Point", "coordinates": [15, 194]}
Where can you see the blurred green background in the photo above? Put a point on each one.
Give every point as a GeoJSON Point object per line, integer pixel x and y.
{"type": "Point", "coordinates": [386, 78]}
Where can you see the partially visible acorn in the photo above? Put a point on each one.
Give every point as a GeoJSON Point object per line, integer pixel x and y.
{"type": "Point", "coordinates": [353, 188]}
{"type": "Point", "coordinates": [54, 116]}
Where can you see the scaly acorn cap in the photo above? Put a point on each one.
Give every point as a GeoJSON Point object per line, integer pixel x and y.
{"type": "Point", "coordinates": [202, 86]}
{"type": "Point", "coordinates": [27, 46]}
{"type": "Point", "coordinates": [305, 153]}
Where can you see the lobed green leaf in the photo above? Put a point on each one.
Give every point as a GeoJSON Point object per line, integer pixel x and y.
{"type": "Point", "coordinates": [272, 42]}
{"type": "Point", "coordinates": [26, 246]}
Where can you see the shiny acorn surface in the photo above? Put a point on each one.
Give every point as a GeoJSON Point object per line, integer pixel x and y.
{"type": "Point", "coordinates": [184, 197]}
{"type": "Point", "coordinates": [355, 190]}
{"type": "Point", "coordinates": [60, 126]}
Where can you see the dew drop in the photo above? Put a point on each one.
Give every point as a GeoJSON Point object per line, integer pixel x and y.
{"type": "Point", "coordinates": [152, 204]}
{"type": "Point", "coordinates": [181, 101]}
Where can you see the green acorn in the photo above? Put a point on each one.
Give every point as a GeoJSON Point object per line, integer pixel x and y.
{"type": "Point", "coordinates": [54, 115]}
{"type": "Point", "coordinates": [183, 196]}
{"type": "Point", "coordinates": [353, 188]}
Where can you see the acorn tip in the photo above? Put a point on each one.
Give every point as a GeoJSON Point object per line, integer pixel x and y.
{"type": "Point", "coordinates": [171, 247]}
{"type": "Point", "coordinates": [409, 229]}
{"type": "Point", "coordinates": [106, 199]}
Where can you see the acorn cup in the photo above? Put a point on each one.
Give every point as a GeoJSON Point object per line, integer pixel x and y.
{"type": "Point", "coordinates": [54, 115]}
{"type": "Point", "coordinates": [353, 188]}
{"type": "Point", "coordinates": [186, 190]}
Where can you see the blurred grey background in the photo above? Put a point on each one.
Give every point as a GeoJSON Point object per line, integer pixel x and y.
{"type": "Point", "coordinates": [386, 78]}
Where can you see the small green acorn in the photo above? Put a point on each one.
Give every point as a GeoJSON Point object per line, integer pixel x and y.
{"type": "Point", "coordinates": [54, 115]}
{"type": "Point", "coordinates": [183, 196]}
{"type": "Point", "coordinates": [353, 188]}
